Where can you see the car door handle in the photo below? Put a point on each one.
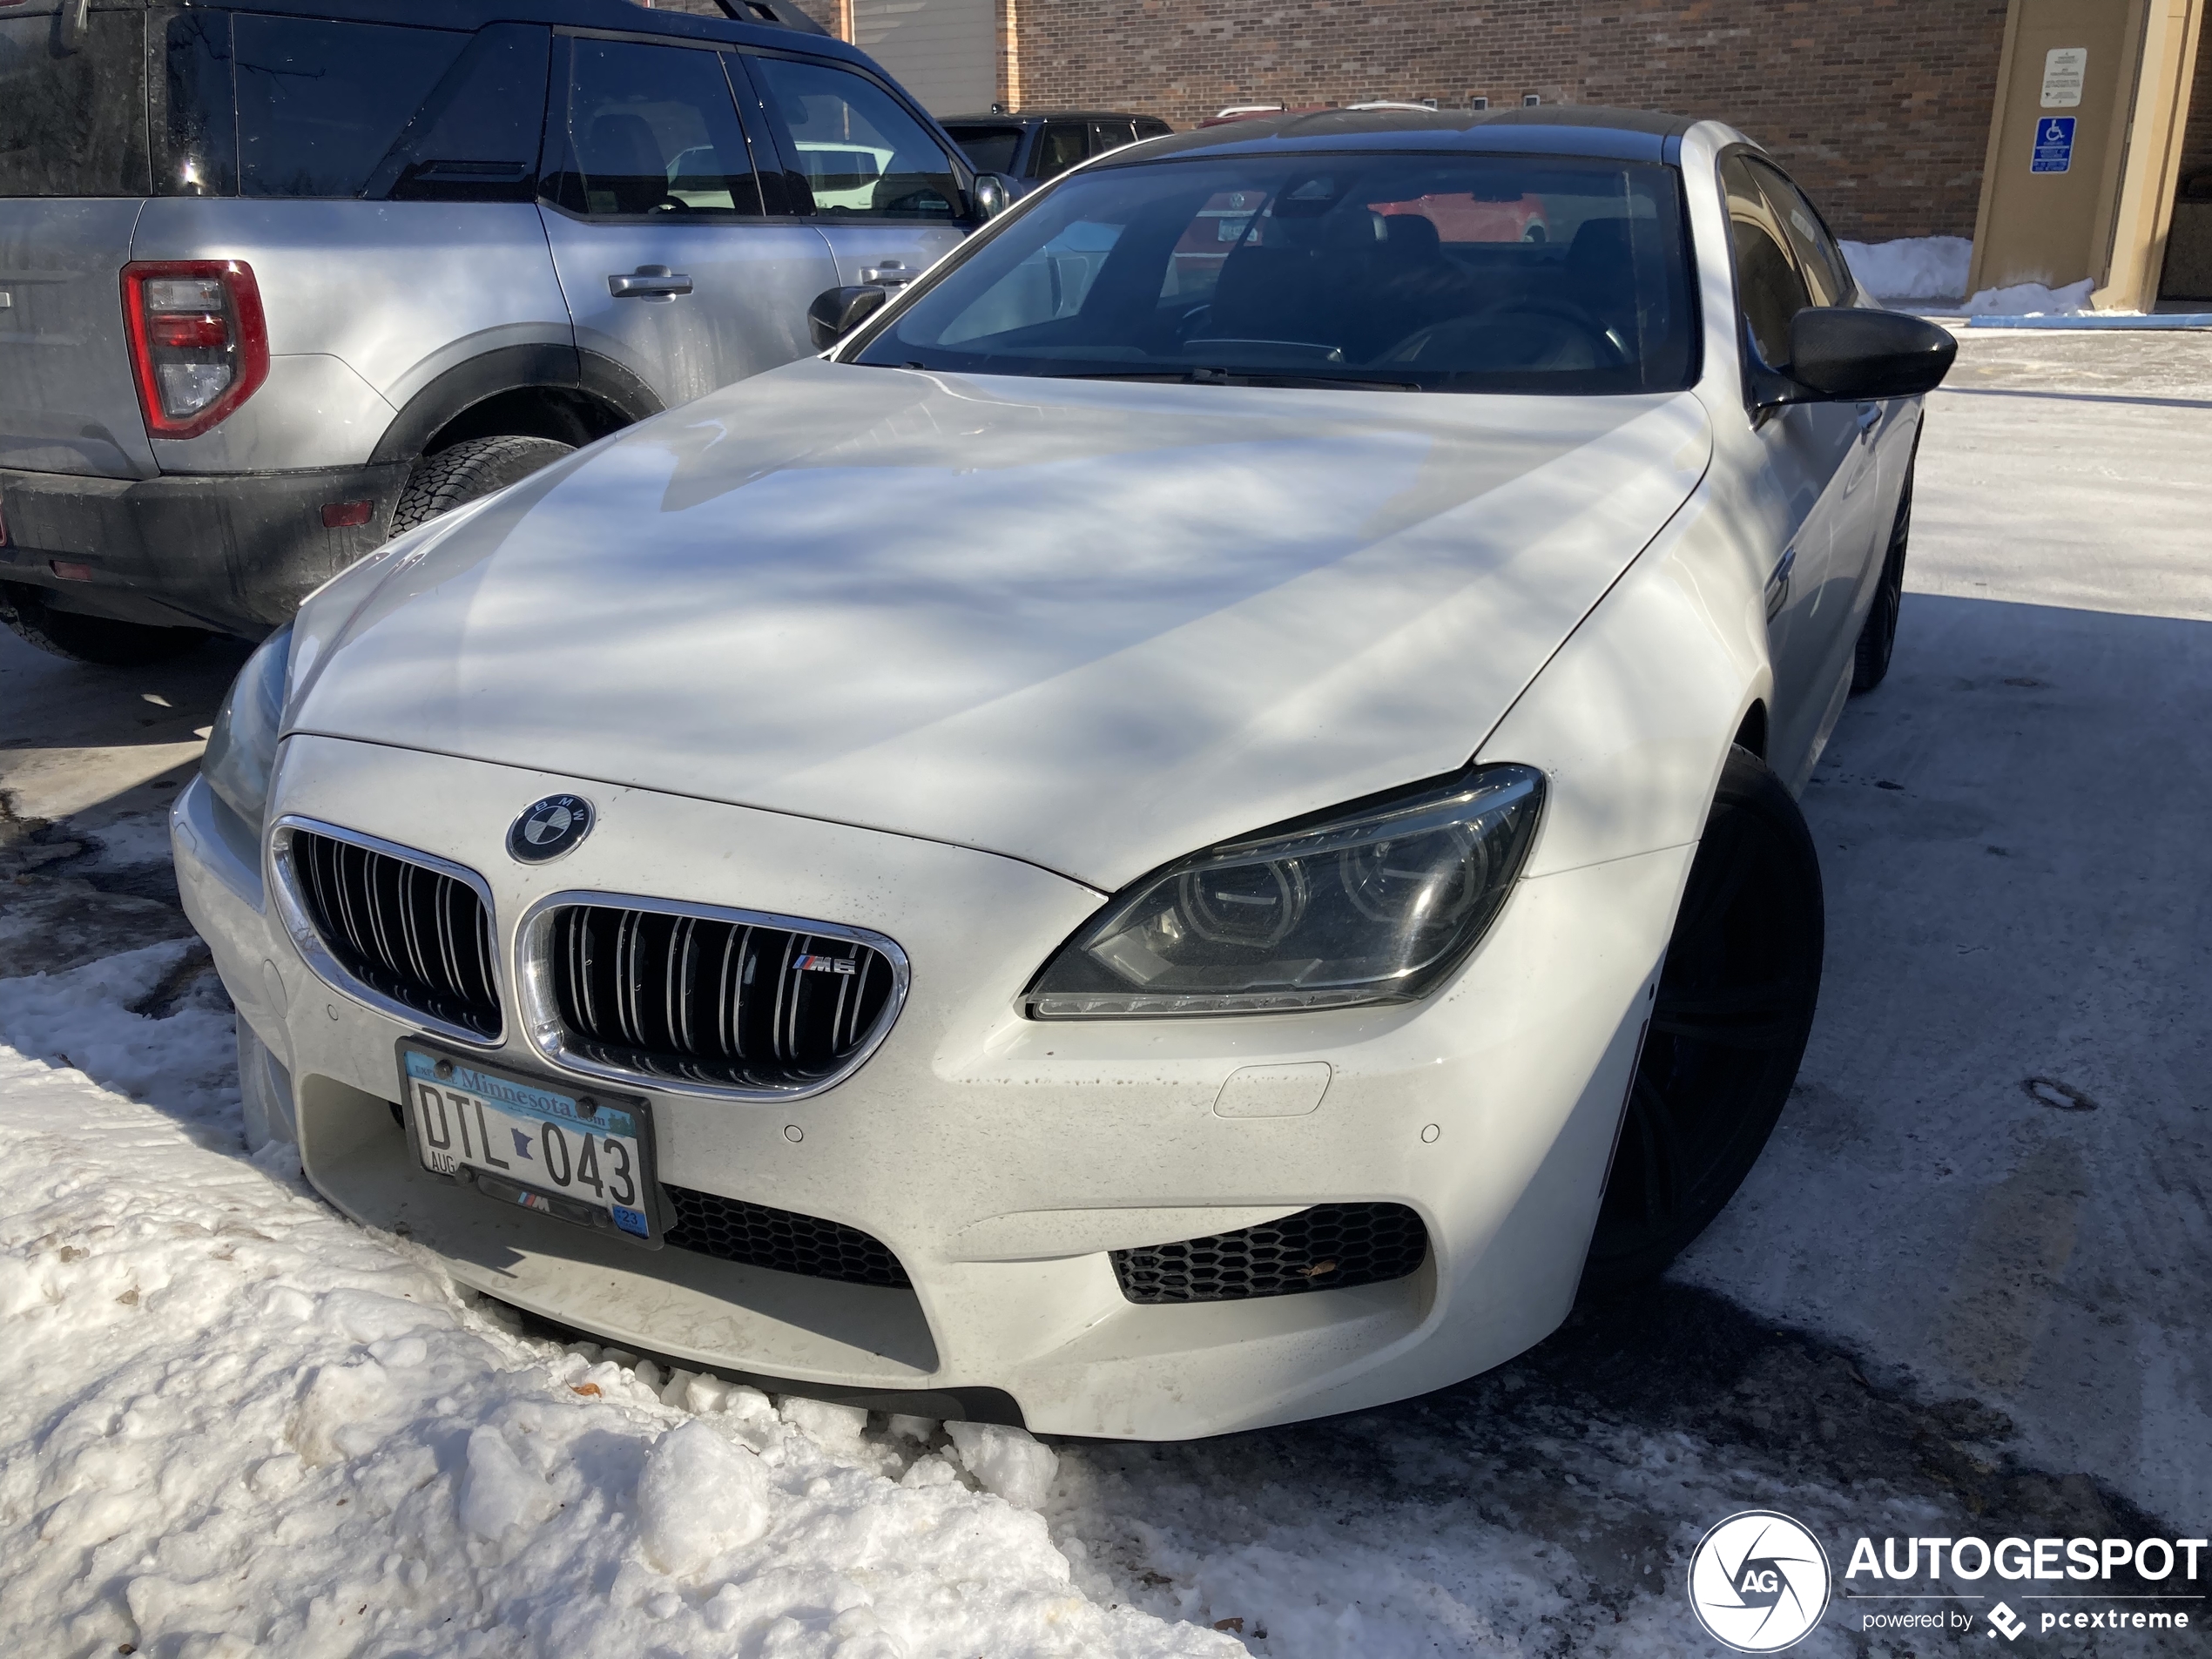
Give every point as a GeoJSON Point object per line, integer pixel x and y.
{"type": "Point", "coordinates": [1869, 416]}
{"type": "Point", "coordinates": [649, 282]}
{"type": "Point", "coordinates": [1778, 585]}
{"type": "Point", "coordinates": [891, 273]}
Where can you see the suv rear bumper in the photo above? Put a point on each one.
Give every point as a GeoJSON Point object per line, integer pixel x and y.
{"type": "Point", "coordinates": [235, 553]}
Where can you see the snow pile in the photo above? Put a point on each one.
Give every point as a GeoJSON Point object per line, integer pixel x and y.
{"type": "Point", "coordinates": [1934, 267]}
{"type": "Point", "coordinates": [1912, 268]}
{"type": "Point", "coordinates": [2032, 299]}
{"type": "Point", "coordinates": [237, 1423]}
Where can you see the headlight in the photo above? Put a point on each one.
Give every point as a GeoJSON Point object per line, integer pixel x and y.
{"type": "Point", "coordinates": [1374, 903]}
{"type": "Point", "coordinates": [242, 749]}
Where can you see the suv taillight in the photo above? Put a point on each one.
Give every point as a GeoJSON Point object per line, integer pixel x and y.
{"type": "Point", "coordinates": [199, 345]}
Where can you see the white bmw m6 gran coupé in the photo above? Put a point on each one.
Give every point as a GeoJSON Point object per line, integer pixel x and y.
{"type": "Point", "coordinates": [1192, 827]}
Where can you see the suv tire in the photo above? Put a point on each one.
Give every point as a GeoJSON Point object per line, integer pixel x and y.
{"type": "Point", "coordinates": [80, 638]}
{"type": "Point", "coordinates": [469, 470]}
{"type": "Point", "coordinates": [1727, 1028]}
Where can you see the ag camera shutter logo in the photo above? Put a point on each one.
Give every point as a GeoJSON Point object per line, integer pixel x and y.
{"type": "Point", "coordinates": [1759, 1583]}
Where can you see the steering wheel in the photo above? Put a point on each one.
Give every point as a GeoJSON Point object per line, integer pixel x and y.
{"type": "Point", "coordinates": [1610, 351]}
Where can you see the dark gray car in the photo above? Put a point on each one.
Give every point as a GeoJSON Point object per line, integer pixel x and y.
{"type": "Point", "coordinates": [280, 279]}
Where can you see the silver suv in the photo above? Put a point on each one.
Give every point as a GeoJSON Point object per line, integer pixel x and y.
{"type": "Point", "coordinates": [281, 279]}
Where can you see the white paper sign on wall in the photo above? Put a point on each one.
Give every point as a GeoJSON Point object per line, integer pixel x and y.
{"type": "Point", "coordinates": [2064, 69]}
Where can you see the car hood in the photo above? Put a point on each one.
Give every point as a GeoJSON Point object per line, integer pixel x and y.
{"type": "Point", "coordinates": [1095, 625]}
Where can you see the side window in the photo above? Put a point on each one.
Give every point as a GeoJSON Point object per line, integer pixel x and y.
{"type": "Point", "coordinates": [319, 104]}
{"type": "Point", "coordinates": [192, 106]}
{"type": "Point", "coordinates": [857, 151]}
{"type": "Point", "coordinates": [1769, 289]}
{"type": "Point", "coordinates": [73, 124]}
{"type": "Point", "coordinates": [476, 140]}
{"type": "Point", "coordinates": [1149, 128]}
{"type": "Point", "coordinates": [1821, 261]}
{"type": "Point", "coordinates": [650, 130]}
{"type": "Point", "coordinates": [1063, 144]}
{"type": "Point", "coordinates": [989, 149]}
{"type": "Point", "coordinates": [1110, 135]}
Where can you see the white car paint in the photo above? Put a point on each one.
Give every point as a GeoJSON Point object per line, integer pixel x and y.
{"type": "Point", "coordinates": [950, 659]}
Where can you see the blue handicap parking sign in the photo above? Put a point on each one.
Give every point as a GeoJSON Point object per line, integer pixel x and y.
{"type": "Point", "coordinates": [2053, 144]}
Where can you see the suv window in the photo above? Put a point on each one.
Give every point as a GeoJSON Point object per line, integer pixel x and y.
{"type": "Point", "coordinates": [1064, 143]}
{"type": "Point", "coordinates": [1111, 135]}
{"type": "Point", "coordinates": [194, 110]}
{"type": "Point", "coordinates": [1818, 257]}
{"type": "Point", "coordinates": [651, 129]}
{"type": "Point", "coordinates": [476, 137]}
{"type": "Point", "coordinates": [73, 124]}
{"type": "Point", "coordinates": [857, 151]}
{"type": "Point", "coordinates": [319, 104]}
{"type": "Point", "coordinates": [1769, 289]}
{"type": "Point", "coordinates": [988, 149]}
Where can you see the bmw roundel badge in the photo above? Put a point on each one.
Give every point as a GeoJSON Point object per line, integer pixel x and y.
{"type": "Point", "coordinates": [549, 828]}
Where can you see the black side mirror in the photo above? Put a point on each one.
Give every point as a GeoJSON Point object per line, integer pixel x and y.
{"type": "Point", "coordinates": [992, 193]}
{"type": "Point", "coordinates": [1842, 353]}
{"type": "Point", "coordinates": [836, 311]}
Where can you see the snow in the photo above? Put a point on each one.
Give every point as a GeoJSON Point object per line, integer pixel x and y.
{"type": "Point", "coordinates": [1912, 267]}
{"type": "Point", "coordinates": [1934, 268]}
{"type": "Point", "coordinates": [2032, 299]}
{"type": "Point", "coordinates": [237, 1423]}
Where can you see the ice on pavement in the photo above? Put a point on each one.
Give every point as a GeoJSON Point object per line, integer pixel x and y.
{"type": "Point", "coordinates": [235, 1423]}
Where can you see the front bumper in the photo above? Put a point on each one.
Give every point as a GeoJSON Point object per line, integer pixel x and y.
{"type": "Point", "coordinates": [233, 552]}
{"type": "Point", "coordinates": [1000, 1158]}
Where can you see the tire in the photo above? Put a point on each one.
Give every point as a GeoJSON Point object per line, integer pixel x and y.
{"type": "Point", "coordinates": [468, 471]}
{"type": "Point", "coordinates": [100, 640]}
{"type": "Point", "coordinates": [1877, 639]}
{"type": "Point", "coordinates": [1727, 1030]}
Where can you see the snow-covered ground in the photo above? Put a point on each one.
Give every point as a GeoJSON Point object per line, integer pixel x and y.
{"type": "Point", "coordinates": [1948, 1301]}
{"type": "Point", "coordinates": [235, 1424]}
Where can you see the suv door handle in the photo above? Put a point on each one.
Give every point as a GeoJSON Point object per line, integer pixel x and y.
{"type": "Point", "coordinates": [892, 274]}
{"type": "Point", "coordinates": [649, 282]}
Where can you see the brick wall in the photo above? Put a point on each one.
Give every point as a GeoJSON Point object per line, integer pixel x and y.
{"type": "Point", "coordinates": [1881, 107]}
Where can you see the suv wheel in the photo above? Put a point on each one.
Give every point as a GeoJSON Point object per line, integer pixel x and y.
{"type": "Point", "coordinates": [1728, 1028]}
{"type": "Point", "coordinates": [91, 639]}
{"type": "Point", "coordinates": [472, 468]}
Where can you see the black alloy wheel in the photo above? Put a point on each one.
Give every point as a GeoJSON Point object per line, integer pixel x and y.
{"type": "Point", "coordinates": [1877, 639]}
{"type": "Point", "coordinates": [1727, 1030]}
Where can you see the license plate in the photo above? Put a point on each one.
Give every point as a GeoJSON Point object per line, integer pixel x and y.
{"type": "Point", "coordinates": [582, 1156]}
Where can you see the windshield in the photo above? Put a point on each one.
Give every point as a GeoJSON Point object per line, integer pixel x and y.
{"type": "Point", "coordinates": [1464, 274]}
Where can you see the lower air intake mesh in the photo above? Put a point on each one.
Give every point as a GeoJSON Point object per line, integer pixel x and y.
{"type": "Point", "coordinates": [760, 1236]}
{"type": "Point", "coordinates": [1329, 1247]}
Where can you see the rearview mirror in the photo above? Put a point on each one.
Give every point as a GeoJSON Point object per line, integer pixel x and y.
{"type": "Point", "coordinates": [1845, 352]}
{"type": "Point", "coordinates": [836, 311]}
{"type": "Point", "coordinates": [992, 193]}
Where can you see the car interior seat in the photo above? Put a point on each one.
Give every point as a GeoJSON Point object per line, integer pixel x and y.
{"type": "Point", "coordinates": [622, 156]}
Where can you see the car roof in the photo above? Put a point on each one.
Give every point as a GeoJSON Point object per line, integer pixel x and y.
{"type": "Point", "coordinates": [1549, 129]}
{"type": "Point", "coordinates": [1030, 117]}
{"type": "Point", "coordinates": [785, 25]}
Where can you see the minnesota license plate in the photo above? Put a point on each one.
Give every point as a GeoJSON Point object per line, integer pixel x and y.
{"type": "Point", "coordinates": [582, 1156]}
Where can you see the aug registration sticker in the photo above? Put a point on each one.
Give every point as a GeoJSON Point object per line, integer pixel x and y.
{"type": "Point", "coordinates": [581, 1158]}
